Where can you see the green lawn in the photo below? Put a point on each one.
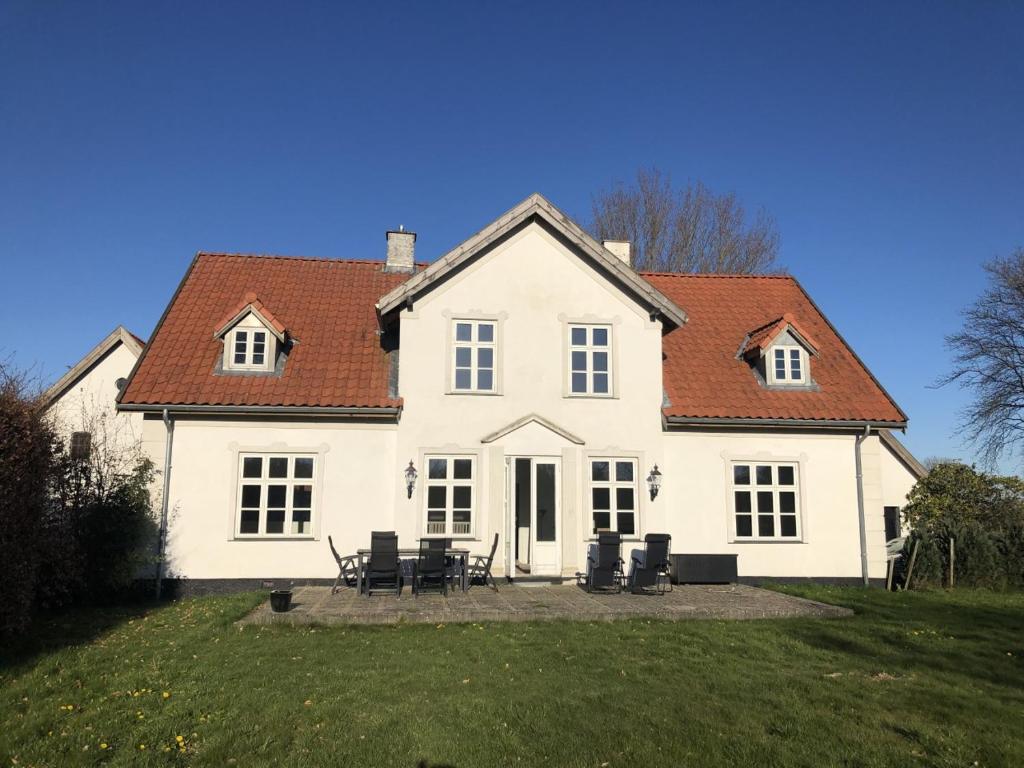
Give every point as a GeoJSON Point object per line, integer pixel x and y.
{"type": "Point", "coordinates": [912, 679]}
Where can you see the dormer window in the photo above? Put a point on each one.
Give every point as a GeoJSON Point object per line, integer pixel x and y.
{"type": "Point", "coordinates": [787, 365]}
{"type": "Point", "coordinates": [253, 338]}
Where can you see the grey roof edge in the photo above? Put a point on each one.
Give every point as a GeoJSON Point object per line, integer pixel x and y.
{"type": "Point", "coordinates": [265, 410]}
{"type": "Point", "coordinates": [532, 418]}
{"type": "Point", "coordinates": [727, 421]}
{"type": "Point", "coordinates": [903, 453]}
{"type": "Point", "coordinates": [534, 205]}
{"type": "Point", "coordinates": [120, 335]}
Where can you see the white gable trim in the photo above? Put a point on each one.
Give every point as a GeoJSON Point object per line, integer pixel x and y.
{"type": "Point", "coordinates": [249, 309]}
{"type": "Point", "coordinates": [532, 418]}
{"type": "Point", "coordinates": [535, 206]}
{"type": "Point", "coordinates": [119, 335]}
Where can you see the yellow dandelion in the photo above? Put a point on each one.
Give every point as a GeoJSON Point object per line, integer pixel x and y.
{"type": "Point", "coordinates": [167, 694]}
{"type": "Point", "coordinates": [179, 739]}
{"type": "Point", "coordinates": [103, 745]}
{"type": "Point", "coordinates": [142, 746]}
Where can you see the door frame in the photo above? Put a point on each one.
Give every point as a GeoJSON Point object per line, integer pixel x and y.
{"type": "Point", "coordinates": [511, 531]}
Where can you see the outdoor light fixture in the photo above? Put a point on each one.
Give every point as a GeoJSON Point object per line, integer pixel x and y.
{"type": "Point", "coordinates": [654, 482]}
{"type": "Point", "coordinates": [410, 478]}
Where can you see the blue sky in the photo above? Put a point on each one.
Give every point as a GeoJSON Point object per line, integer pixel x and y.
{"type": "Point", "coordinates": [885, 138]}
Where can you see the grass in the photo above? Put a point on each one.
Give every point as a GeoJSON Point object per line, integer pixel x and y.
{"type": "Point", "coordinates": [926, 678]}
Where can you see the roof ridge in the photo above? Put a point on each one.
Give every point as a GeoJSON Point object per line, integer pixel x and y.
{"type": "Point", "coordinates": [713, 275]}
{"type": "Point", "coordinates": [284, 257]}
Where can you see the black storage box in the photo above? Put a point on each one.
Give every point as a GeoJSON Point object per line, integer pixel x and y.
{"type": "Point", "coordinates": [703, 569]}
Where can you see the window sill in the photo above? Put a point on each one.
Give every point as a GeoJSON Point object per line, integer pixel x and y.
{"type": "Point", "coordinates": [472, 392]}
{"type": "Point", "coordinates": [766, 541]}
{"type": "Point", "coordinates": [577, 396]}
{"type": "Point", "coordinates": [273, 537]}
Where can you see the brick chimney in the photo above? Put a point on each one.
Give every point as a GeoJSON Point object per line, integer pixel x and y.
{"type": "Point", "coordinates": [620, 248]}
{"type": "Point", "coordinates": [401, 251]}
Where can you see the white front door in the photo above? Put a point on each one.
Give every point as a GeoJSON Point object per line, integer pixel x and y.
{"type": "Point", "coordinates": [538, 523]}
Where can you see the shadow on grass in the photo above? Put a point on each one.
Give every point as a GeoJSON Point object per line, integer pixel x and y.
{"type": "Point", "coordinates": [76, 626]}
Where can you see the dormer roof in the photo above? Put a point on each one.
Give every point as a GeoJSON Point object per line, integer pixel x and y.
{"type": "Point", "coordinates": [762, 337]}
{"type": "Point", "coordinates": [251, 304]}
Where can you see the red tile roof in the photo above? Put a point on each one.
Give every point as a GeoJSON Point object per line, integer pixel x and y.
{"type": "Point", "coordinates": [250, 300]}
{"type": "Point", "coordinates": [704, 377]}
{"type": "Point", "coordinates": [328, 308]}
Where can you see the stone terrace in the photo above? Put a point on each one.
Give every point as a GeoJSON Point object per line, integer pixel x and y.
{"type": "Point", "coordinates": [316, 605]}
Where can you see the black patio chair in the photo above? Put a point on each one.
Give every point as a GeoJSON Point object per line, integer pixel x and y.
{"type": "Point", "coordinates": [383, 566]}
{"type": "Point", "coordinates": [604, 566]}
{"type": "Point", "coordinates": [430, 568]}
{"type": "Point", "coordinates": [652, 569]}
{"type": "Point", "coordinates": [348, 568]}
{"type": "Point", "coordinates": [480, 568]}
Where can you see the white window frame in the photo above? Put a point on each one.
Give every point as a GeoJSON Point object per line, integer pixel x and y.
{"type": "Point", "coordinates": [787, 350]}
{"type": "Point", "coordinates": [589, 349]}
{"type": "Point", "coordinates": [775, 488]}
{"type": "Point", "coordinates": [230, 349]}
{"type": "Point", "coordinates": [474, 345]}
{"type": "Point", "coordinates": [290, 481]}
{"type": "Point", "coordinates": [449, 482]}
{"type": "Point", "coordinates": [612, 484]}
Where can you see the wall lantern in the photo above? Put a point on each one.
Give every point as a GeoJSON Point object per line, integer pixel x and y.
{"type": "Point", "coordinates": [410, 478]}
{"type": "Point", "coordinates": [654, 482]}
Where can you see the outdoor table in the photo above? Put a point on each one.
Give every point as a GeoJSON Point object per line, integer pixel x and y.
{"type": "Point", "coordinates": [462, 554]}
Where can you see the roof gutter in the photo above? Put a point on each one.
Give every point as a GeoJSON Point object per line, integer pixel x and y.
{"type": "Point", "coordinates": [264, 410]}
{"type": "Point", "coordinates": [715, 421]}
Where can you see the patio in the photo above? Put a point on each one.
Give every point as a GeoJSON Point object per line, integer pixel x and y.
{"type": "Point", "coordinates": [316, 605]}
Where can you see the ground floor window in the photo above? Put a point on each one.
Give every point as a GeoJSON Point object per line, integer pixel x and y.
{"type": "Point", "coordinates": [766, 501]}
{"type": "Point", "coordinates": [275, 495]}
{"type": "Point", "coordinates": [450, 490]}
{"type": "Point", "coordinates": [613, 495]}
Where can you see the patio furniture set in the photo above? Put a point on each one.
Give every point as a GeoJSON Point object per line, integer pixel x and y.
{"type": "Point", "coordinates": [649, 568]}
{"type": "Point", "coordinates": [435, 565]}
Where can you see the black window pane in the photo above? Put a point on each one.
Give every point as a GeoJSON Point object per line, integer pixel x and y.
{"type": "Point", "coordinates": [743, 525]}
{"type": "Point", "coordinates": [579, 337]}
{"type": "Point", "coordinates": [257, 358]}
{"type": "Point", "coordinates": [602, 498]}
{"type": "Point", "coordinates": [600, 336]}
{"type": "Point", "coordinates": [303, 468]}
{"type": "Point", "coordinates": [625, 523]}
{"type": "Point", "coordinates": [302, 496]}
{"type": "Point", "coordinates": [741, 474]}
{"type": "Point", "coordinates": [601, 362]}
{"type": "Point", "coordinates": [787, 524]}
{"type": "Point", "coordinates": [252, 466]}
{"type": "Point", "coordinates": [463, 357]}
{"type": "Point", "coordinates": [485, 332]}
{"type": "Point", "coordinates": [300, 521]}
{"type": "Point", "coordinates": [463, 378]}
{"type": "Point", "coordinates": [765, 525]}
{"type": "Point", "coordinates": [765, 501]}
{"type": "Point", "coordinates": [787, 502]}
{"type": "Point", "coordinates": [275, 521]}
{"type": "Point", "coordinates": [276, 495]}
{"type": "Point", "coordinates": [250, 495]}
{"type": "Point", "coordinates": [599, 471]}
{"type": "Point", "coordinates": [250, 521]}
{"type": "Point", "coordinates": [437, 496]}
{"type": "Point", "coordinates": [579, 361]}
{"type": "Point", "coordinates": [463, 332]}
{"type": "Point", "coordinates": [764, 474]}
{"type": "Point", "coordinates": [437, 469]}
{"type": "Point", "coordinates": [624, 498]}
{"type": "Point", "coordinates": [743, 502]}
{"type": "Point", "coordinates": [435, 515]}
{"type": "Point", "coordinates": [239, 358]}
{"type": "Point", "coordinates": [785, 475]}
{"type": "Point", "coordinates": [462, 469]}
{"type": "Point", "coordinates": [602, 520]}
{"type": "Point", "coordinates": [601, 383]}
{"type": "Point", "coordinates": [579, 382]}
{"type": "Point", "coordinates": [624, 471]}
{"type": "Point", "coordinates": [461, 495]}
{"type": "Point", "coordinates": [278, 467]}
{"type": "Point", "coordinates": [485, 380]}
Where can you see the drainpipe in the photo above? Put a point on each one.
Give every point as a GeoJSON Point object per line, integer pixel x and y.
{"type": "Point", "coordinates": [860, 505]}
{"type": "Point", "coordinates": [162, 536]}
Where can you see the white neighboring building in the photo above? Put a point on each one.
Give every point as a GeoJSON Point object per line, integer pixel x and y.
{"type": "Point", "coordinates": [83, 401]}
{"type": "Point", "coordinates": [535, 381]}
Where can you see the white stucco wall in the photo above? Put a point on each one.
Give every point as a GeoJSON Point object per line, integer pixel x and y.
{"type": "Point", "coordinates": [89, 404]}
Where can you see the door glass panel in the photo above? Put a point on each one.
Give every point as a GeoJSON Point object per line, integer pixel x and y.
{"type": "Point", "coordinates": [545, 497]}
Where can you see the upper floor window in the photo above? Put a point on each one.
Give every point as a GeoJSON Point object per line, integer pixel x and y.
{"type": "Point", "coordinates": [613, 495]}
{"type": "Point", "coordinates": [474, 356]}
{"type": "Point", "coordinates": [590, 352]}
{"type": "Point", "coordinates": [275, 495]}
{"type": "Point", "coordinates": [249, 349]}
{"type": "Point", "coordinates": [81, 445]}
{"type": "Point", "coordinates": [450, 495]}
{"type": "Point", "coordinates": [765, 499]}
{"type": "Point", "coordinates": [787, 365]}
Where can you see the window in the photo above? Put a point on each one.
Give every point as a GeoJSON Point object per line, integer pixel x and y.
{"type": "Point", "coordinates": [765, 501]}
{"type": "Point", "coordinates": [892, 522]}
{"type": "Point", "coordinates": [590, 360]}
{"type": "Point", "coordinates": [249, 349]}
{"type": "Point", "coordinates": [450, 494]}
{"type": "Point", "coordinates": [275, 495]}
{"type": "Point", "coordinates": [474, 349]}
{"type": "Point", "coordinates": [787, 365]}
{"type": "Point", "coordinates": [81, 445]}
{"type": "Point", "coordinates": [613, 495]}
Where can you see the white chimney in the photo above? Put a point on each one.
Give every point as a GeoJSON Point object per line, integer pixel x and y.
{"type": "Point", "coordinates": [620, 248]}
{"type": "Point", "coordinates": [401, 251]}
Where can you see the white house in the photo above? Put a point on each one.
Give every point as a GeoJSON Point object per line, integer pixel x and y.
{"type": "Point", "coordinates": [82, 401]}
{"type": "Point", "coordinates": [535, 381]}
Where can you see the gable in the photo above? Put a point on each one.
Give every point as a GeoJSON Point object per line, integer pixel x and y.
{"type": "Point", "coordinates": [535, 210]}
{"type": "Point", "coordinates": [119, 338]}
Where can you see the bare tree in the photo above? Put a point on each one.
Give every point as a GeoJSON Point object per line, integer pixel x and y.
{"type": "Point", "coordinates": [690, 229]}
{"type": "Point", "coordinates": [988, 360]}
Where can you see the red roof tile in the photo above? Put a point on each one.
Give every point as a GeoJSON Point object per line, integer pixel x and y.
{"type": "Point", "coordinates": [704, 377]}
